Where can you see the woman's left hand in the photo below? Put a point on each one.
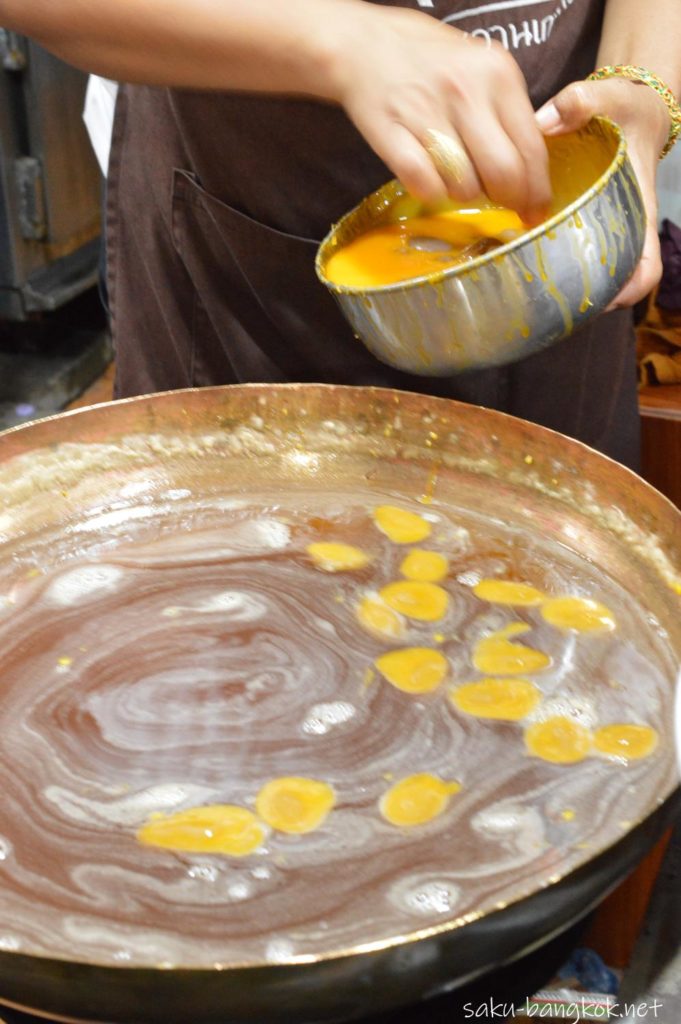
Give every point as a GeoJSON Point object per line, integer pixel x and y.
{"type": "Point", "coordinates": [645, 121]}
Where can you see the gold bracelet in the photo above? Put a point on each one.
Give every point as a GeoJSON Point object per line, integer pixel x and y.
{"type": "Point", "coordinates": [635, 74]}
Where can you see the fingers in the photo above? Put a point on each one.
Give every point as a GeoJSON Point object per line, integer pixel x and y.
{"type": "Point", "coordinates": [453, 163]}
{"type": "Point", "coordinates": [644, 122]}
{"type": "Point", "coordinates": [432, 167]}
{"type": "Point", "coordinates": [641, 283]}
{"type": "Point", "coordinates": [498, 129]}
{"type": "Point", "coordinates": [529, 142]}
{"type": "Point", "coordinates": [511, 171]}
{"type": "Point", "coordinates": [569, 110]}
{"type": "Point", "coordinates": [511, 161]}
{"type": "Point", "coordinates": [447, 114]}
{"type": "Point", "coordinates": [406, 157]}
{"type": "Point", "coordinates": [506, 147]}
{"type": "Point", "coordinates": [646, 276]}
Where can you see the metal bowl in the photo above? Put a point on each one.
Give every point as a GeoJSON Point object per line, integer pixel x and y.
{"type": "Point", "coordinates": [522, 296]}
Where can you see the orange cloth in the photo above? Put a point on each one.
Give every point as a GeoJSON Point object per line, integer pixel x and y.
{"type": "Point", "coordinates": [659, 346]}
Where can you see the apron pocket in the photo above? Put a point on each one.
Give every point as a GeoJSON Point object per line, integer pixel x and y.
{"type": "Point", "coordinates": [259, 285]}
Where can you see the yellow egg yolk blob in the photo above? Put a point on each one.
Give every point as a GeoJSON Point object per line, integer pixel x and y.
{"type": "Point", "coordinates": [424, 566]}
{"type": "Point", "coordinates": [400, 525]}
{"type": "Point", "coordinates": [578, 613]}
{"type": "Point", "coordinates": [559, 740]}
{"type": "Point", "coordinates": [218, 828]}
{"type": "Point", "coordinates": [628, 741]}
{"type": "Point", "coordinates": [424, 601]}
{"type": "Point", "coordinates": [414, 669]}
{"type": "Point", "coordinates": [496, 655]}
{"type": "Point", "coordinates": [508, 592]}
{"type": "Point", "coordinates": [384, 255]}
{"type": "Point", "coordinates": [295, 805]}
{"type": "Point", "coordinates": [377, 618]}
{"type": "Point", "coordinates": [337, 557]}
{"type": "Point", "coordinates": [416, 800]}
{"type": "Point", "coordinates": [507, 700]}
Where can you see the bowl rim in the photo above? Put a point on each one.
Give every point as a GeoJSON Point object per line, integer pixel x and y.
{"type": "Point", "coordinates": [458, 270]}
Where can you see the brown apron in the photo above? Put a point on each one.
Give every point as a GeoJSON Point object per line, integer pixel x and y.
{"type": "Point", "coordinates": [218, 201]}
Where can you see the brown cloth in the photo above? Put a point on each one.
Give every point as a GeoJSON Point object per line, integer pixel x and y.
{"type": "Point", "coordinates": [658, 342]}
{"type": "Point", "coordinates": [218, 201]}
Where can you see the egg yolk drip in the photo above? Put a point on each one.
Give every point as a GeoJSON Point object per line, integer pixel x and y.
{"type": "Point", "coordinates": [401, 526]}
{"type": "Point", "coordinates": [219, 828]}
{"type": "Point", "coordinates": [414, 669]}
{"type": "Point", "coordinates": [424, 601]}
{"type": "Point", "coordinates": [295, 805]}
{"type": "Point", "coordinates": [416, 800]}
{"type": "Point", "coordinates": [508, 592]}
{"type": "Point", "coordinates": [624, 740]}
{"type": "Point", "coordinates": [374, 615]}
{"type": "Point", "coordinates": [559, 740]}
{"type": "Point", "coordinates": [424, 566]}
{"type": "Point", "coordinates": [496, 655]}
{"type": "Point", "coordinates": [578, 613]}
{"type": "Point", "coordinates": [507, 700]}
{"type": "Point", "coordinates": [385, 255]}
{"type": "Point", "coordinates": [337, 557]}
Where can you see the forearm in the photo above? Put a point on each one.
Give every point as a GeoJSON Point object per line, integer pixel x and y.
{"type": "Point", "coordinates": [398, 73]}
{"type": "Point", "coordinates": [253, 45]}
{"type": "Point", "coordinates": [644, 34]}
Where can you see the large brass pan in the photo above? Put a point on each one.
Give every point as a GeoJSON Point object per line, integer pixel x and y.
{"type": "Point", "coordinates": [133, 681]}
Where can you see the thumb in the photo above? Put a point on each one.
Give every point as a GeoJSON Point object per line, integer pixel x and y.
{"type": "Point", "coordinates": [569, 110]}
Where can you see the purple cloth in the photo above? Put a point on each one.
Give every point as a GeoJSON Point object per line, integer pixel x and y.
{"type": "Point", "coordinates": [669, 293]}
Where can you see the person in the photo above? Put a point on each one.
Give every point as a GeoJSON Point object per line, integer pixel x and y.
{"type": "Point", "coordinates": [256, 125]}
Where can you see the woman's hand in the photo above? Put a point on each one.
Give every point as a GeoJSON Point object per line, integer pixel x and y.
{"type": "Point", "coordinates": [401, 75]}
{"type": "Point", "coordinates": [644, 119]}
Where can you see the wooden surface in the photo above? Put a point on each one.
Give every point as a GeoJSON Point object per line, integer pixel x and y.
{"type": "Point", "coordinates": [615, 927]}
{"type": "Point", "coordinates": [664, 401]}
{"type": "Point", "coordinates": [100, 391]}
{"type": "Point", "coordinates": [661, 439]}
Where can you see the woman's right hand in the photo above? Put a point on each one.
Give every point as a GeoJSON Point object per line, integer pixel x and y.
{"type": "Point", "coordinates": [401, 74]}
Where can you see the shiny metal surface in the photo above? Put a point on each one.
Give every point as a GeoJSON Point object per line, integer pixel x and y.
{"type": "Point", "coordinates": [60, 473]}
{"type": "Point", "coordinates": [50, 185]}
{"type": "Point", "coordinates": [522, 297]}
